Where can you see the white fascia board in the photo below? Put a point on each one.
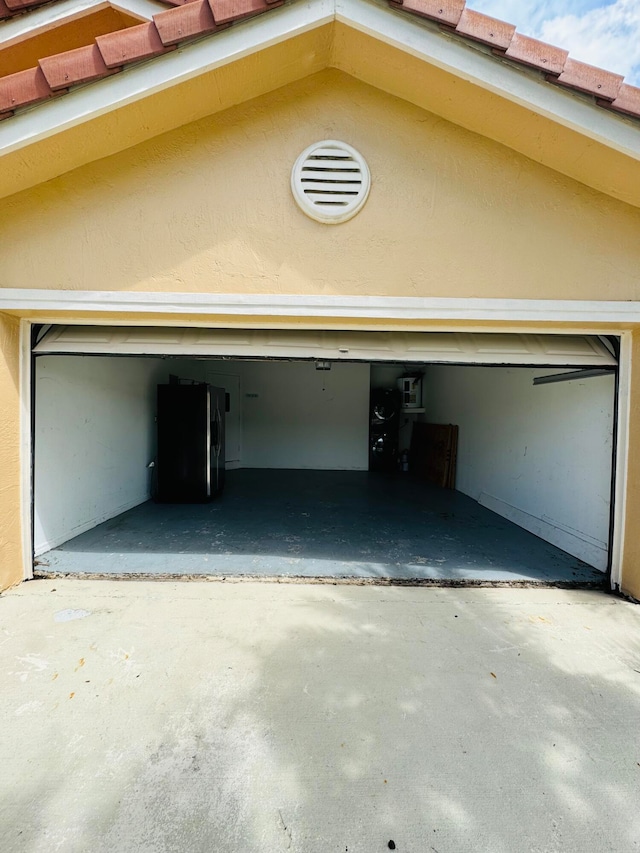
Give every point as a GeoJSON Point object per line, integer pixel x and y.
{"type": "Point", "coordinates": [140, 8]}
{"type": "Point", "coordinates": [15, 30]}
{"type": "Point", "coordinates": [386, 25]}
{"type": "Point", "coordinates": [535, 311]}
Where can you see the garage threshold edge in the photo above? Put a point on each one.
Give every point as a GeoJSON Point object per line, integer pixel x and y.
{"type": "Point", "coordinates": [320, 580]}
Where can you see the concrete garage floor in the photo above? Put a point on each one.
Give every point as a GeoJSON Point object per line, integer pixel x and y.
{"type": "Point", "coordinates": [320, 524]}
{"type": "Point", "coordinates": [254, 718]}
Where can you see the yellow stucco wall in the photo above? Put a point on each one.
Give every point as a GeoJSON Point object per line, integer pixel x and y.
{"type": "Point", "coordinates": [208, 208]}
{"type": "Point", "coordinates": [11, 568]}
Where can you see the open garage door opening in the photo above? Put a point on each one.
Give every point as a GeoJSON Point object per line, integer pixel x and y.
{"type": "Point", "coordinates": [522, 494]}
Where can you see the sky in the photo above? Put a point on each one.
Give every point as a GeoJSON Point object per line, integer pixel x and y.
{"type": "Point", "coordinates": [601, 32]}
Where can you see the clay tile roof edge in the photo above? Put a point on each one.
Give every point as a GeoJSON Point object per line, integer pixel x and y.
{"type": "Point", "coordinates": [122, 48]}
{"type": "Point", "coordinates": [557, 65]}
{"type": "Point", "coordinates": [475, 25]}
{"type": "Point", "coordinates": [39, 16]}
{"type": "Point", "coordinates": [590, 79]}
{"type": "Point", "coordinates": [143, 42]}
{"type": "Point", "coordinates": [81, 65]}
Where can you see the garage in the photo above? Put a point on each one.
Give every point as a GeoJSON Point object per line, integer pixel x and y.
{"type": "Point", "coordinates": [528, 497]}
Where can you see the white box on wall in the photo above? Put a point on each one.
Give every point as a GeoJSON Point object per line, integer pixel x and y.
{"type": "Point", "coordinates": [411, 389]}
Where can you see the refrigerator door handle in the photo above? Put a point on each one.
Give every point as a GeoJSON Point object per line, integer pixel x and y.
{"type": "Point", "coordinates": [218, 433]}
{"type": "Point", "coordinates": [209, 437]}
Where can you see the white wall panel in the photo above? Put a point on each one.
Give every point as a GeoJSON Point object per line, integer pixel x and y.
{"type": "Point", "coordinates": [540, 456]}
{"type": "Point", "coordinates": [94, 437]}
{"type": "Point", "coordinates": [295, 416]}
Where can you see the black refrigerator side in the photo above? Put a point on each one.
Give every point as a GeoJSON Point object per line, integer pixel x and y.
{"type": "Point", "coordinates": [184, 463]}
{"type": "Point", "coordinates": [218, 405]}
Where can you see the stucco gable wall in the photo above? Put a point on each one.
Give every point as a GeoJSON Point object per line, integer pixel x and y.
{"type": "Point", "coordinates": [208, 208]}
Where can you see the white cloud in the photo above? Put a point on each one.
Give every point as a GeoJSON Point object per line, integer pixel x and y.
{"type": "Point", "coordinates": [526, 16]}
{"type": "Point", "coordinates": [606, 34]}
{"type": "Point", "coordinates": [608, 37]}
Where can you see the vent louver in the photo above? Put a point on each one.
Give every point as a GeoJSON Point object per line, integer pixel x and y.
{"type": "Point", "coordinates": [330, 181]}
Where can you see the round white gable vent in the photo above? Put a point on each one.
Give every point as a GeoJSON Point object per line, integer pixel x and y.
{"type": "Point", "coordinates": [330, 181]}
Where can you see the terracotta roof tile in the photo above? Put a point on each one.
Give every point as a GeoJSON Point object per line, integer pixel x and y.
{"type": "Point", "coordinates": [130, 45]}
{"type": "Point", "coordinates": [109, 52]}
{"type": "Point", "coordinates": [607, 87]}
{"type": "Point", "coordinates": [19, 5]}
{"type": "Point", "coordinates": [446, 11]}
{"type": "Point", "coordinates": [628, 100]}
{"type": "Point", "coordinates": [184, 22]}
{"type": "Point", "coordinates": [191, 18]}
{"type": "Point", "coordinates": [537, 54]}
{"type": "Point", "coordinates": [8, 8]}
{"type": "Point", "coordinates": [226, 11]}
{"type": "Point", "coordinates": [74, 66]}
{"type": "Point", "coordinates": [22, 88]}
{"type": "Point", "coordinates": [588, 78]}
{"type": "Point", "coordinates": [481, 27]}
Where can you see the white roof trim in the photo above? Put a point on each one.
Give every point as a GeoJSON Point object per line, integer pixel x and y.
{"type": "Point", "coordinates": [367, 16]}
{"type": "Point", "coordinates": [535, 311]}
{"type": "Point", "coordinates": [142, 8]}
{"type": "Point", "coordinates": [15, 30]}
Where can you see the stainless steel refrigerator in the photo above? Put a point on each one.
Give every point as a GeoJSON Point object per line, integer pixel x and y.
{"type": "Point", "coordinates": [190, 459]}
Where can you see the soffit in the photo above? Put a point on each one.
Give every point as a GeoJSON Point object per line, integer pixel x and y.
{"type": "Point", "coordinates": [416, 347]}
{"type": "Point", "coordinates": [462, 102]}
{"type": "Point", "coordinates": [207, 94]}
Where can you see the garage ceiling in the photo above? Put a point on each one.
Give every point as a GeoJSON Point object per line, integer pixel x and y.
{"type": "Point", "coordinates": [417, 347]}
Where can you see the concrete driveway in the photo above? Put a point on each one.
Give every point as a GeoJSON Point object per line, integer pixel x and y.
{"type": "Point", "coordinates": [244, 717]}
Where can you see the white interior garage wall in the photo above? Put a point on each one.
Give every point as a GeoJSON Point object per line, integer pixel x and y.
{"type": "Point", "coordinates": [295, 416]}
{"type": "Point", "coordinates": [540, 456]}
{"type": "Point", "coordinates": [292, 415]}
{"type": "Point", "coordinates": [94, 437]}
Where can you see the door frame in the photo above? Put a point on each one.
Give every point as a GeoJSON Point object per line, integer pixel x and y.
{"type": "Point", "coordinates": [303, 311]}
